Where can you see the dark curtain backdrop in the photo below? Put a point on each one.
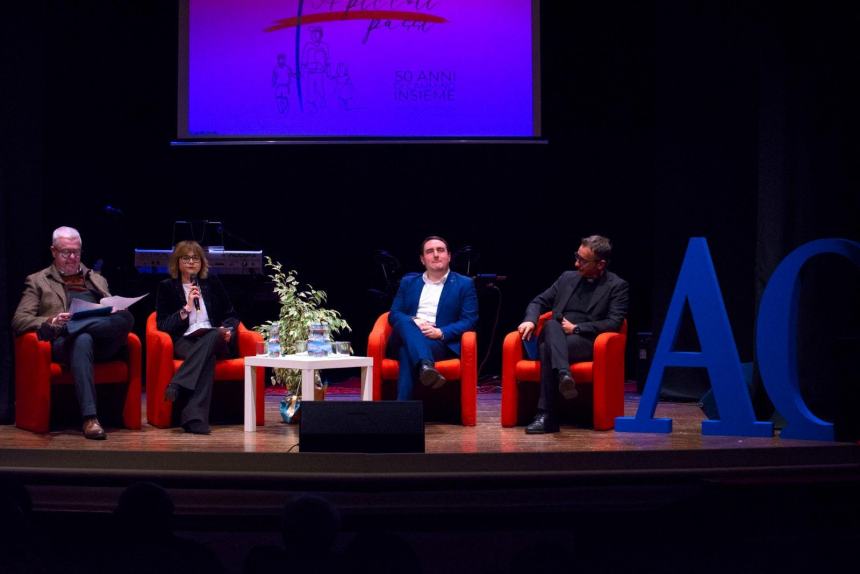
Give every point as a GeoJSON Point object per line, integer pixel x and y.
{"type": "Point", "coordinates": [665, 120]}
{"type": "Point", "coordinates": [808, 181]}
{"type": "Point", "coordinates": [22, 81]}
{"type": "Point", "coordinates": [705, 163]}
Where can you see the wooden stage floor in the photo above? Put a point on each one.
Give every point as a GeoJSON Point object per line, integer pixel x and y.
{"type": "Point", "coordinates": [452, 451]}
{"type": "Point", "coordinates": [440, 438]}
{"type": "Point", "coordinates": [491, 482]}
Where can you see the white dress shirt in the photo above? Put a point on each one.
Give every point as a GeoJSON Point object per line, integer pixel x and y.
{"type": "Point", "coordinates": [196, 319]}
{"type": "Point", "coordinates": [429, 301]}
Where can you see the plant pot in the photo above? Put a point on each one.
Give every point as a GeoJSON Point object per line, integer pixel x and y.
{"type": "Point", "coordinates": [319, 390]}
{"type": "Point", "coordinates": [290, 408]}
{"type": "Point", "coordinates": [291, 404]}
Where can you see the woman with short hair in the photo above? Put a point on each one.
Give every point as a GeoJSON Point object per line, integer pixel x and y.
{"type": "Point", "coordinates": [194, 309]}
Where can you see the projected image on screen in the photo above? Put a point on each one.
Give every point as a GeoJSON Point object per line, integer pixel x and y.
{"type": "Point", "coordinates": [358, 68]}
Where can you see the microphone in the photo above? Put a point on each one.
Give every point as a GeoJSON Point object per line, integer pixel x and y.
{"type": "Point", "coordinates": [196, 284]}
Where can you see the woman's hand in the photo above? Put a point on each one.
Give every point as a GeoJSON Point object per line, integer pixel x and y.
{"type": "Point", "coordinates": [193, 293]}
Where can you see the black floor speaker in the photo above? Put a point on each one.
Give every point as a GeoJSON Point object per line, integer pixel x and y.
{"type": "Point", "coordinates": [362, 426]}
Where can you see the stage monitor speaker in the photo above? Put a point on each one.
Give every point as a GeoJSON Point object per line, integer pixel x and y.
{"type": "Point", "coordinates": [362, 426]}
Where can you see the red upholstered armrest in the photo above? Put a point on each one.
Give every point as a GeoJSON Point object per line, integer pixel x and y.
{"type": "Point", "coordinates": [29, 349]}
{"type": "Point", "coordinates": [32, 361]}
{"type": "Point", "coordinates": [609, 347]}
{"type": "Point", "coordinates": [378, 338]}
{"type": "Point", "coordinates": [248, 341]}
{"type": "Point", "coordinates": [512, 346]}
{"type": "Point", "coordinates": [376, 342]}
{"type": "Point", "coordinates": [135, 352]}
{"type": "Point", "coordinates": [469, 347]}
{"type": "Point", "coordinates": [541, 320]}
{"type": "Point", "coordinates": [161, 341]}
{"type": "Point", "coordinates": [159, 370]}
{"type": "Point", "coordinates": [609, 352]}
{"type": "Point", "coordinates": [157, 342]}
{"type": "Point", "coordinates": [512, 349]}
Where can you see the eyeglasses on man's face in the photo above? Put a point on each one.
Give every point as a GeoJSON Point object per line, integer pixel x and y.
{"type": "Point", "coordinates": [69, 253]}
{"type": "Point", "coordinates": [189, 258]}
{"type": "Point", "coordinates": [582, 260]}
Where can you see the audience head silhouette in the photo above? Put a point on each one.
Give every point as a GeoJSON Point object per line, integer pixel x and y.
{"type": "Point", "coordinates": [310, 523]}
{"type": "Point", "coordinates": [146, 510]}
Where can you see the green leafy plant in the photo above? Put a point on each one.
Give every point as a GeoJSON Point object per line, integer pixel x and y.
{"type": "Point", "coordinates": [299, 308]}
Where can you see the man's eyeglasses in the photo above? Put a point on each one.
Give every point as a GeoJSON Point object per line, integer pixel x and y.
{"type": "Point", "coordinates": [189, 258]}
{"type": "Point", "coordinates": [582, 260]}
{"type": "Point", "coordinates": [67, 253]}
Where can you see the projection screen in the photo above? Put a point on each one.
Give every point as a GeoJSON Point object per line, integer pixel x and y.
{"type": "Point", "coordinates": [294, 69]}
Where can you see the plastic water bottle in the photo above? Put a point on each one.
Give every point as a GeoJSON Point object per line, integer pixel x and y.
{"type": "Point", "coordinates": [319, 344]}
{"type": "Point", "coordinates": [274, 341]}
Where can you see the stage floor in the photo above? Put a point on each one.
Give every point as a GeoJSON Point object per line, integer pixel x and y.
{"type": "Point", "coordinates": [440, 438]}
{"type": "Point", "coordinates": [453, 452]}
{"type": "Point", "coordinates": [474, 477]}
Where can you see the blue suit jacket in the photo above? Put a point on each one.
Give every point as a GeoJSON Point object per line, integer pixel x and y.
{"type": "Point", "coordinates": [457, 311]}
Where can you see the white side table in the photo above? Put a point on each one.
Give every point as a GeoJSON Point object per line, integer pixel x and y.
{"type": "Point", "coordinates": [307, 365]}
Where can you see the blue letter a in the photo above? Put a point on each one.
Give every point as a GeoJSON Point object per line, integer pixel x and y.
{"type": "Point", "coordinates": [697, 285]}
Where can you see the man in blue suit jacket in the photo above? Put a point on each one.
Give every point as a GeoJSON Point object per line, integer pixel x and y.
{"type": "Point", "coordinates": [429, 314]}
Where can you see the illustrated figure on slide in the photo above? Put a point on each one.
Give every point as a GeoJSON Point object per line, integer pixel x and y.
{"type": "Point", "coordinates": [282, 81]}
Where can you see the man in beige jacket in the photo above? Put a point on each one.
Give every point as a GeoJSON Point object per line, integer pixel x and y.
{"type": "Point", "coordinates": [44, 308]}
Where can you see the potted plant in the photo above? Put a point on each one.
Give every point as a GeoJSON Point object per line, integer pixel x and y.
{"type": "Point", "coordinates": [299, 307]}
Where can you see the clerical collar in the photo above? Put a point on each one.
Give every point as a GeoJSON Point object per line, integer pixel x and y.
{"type": "Point", "coordinates": [595, 279]}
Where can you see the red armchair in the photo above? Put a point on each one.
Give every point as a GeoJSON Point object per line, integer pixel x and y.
{"type": "Point", "coordinates": [36, 374]}
{"type": "Point", "coordinates": [161, 366]}
{"type": "Point", "coordinates": [605, 372]}
{"type": "Point", "coordinates": [464, 369]}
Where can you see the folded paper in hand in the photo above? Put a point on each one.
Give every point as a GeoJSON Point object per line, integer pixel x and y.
{"type": "Point", "coordinates": [83, 309]}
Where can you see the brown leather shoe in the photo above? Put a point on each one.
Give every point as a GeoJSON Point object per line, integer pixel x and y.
{"type": "Point", "coordinates": [93, 430]}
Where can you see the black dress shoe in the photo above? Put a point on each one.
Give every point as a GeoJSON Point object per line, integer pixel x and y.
{"type": "Point", "coordinates": [542, 424]}
{"type": "Point", "coordinates": [197, 427]}
{"type": "Point", "coordinates": [429, 376]}
{"type": "Point", "coordinates": [93, 430]}
{"type": "Point", "coordinates": [566, 385]}
{"type": "Point", "coordinates": [171, 392]}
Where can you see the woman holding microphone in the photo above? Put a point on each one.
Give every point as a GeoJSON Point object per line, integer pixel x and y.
{"type": "Point", "coordinates": [195, 311]}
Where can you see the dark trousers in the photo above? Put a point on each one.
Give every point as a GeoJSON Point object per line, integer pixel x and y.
{"type": "Point", "coordinates": [99, 341]}
{"type": "Point", "coordinates": [197, 373]}
{"type": "Point", "coordinates": [409, 346]}
{"type": "Point", "coordinates": [557, 351]}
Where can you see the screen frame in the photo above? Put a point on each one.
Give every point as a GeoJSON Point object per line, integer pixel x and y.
{"type": "Point", "coordinates": [183, 139]}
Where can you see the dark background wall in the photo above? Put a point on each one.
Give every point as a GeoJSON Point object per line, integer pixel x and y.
{"type": "Point", "coordinates": [664, 120]}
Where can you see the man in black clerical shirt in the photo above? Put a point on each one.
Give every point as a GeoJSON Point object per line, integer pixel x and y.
{"type": "Point", "coordinates": [584, 303]}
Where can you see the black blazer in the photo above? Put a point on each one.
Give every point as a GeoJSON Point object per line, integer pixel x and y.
{"type": "Point", "coordinates": [171, 298]}
{"type": "Point", "coordinates": [606, 312]}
